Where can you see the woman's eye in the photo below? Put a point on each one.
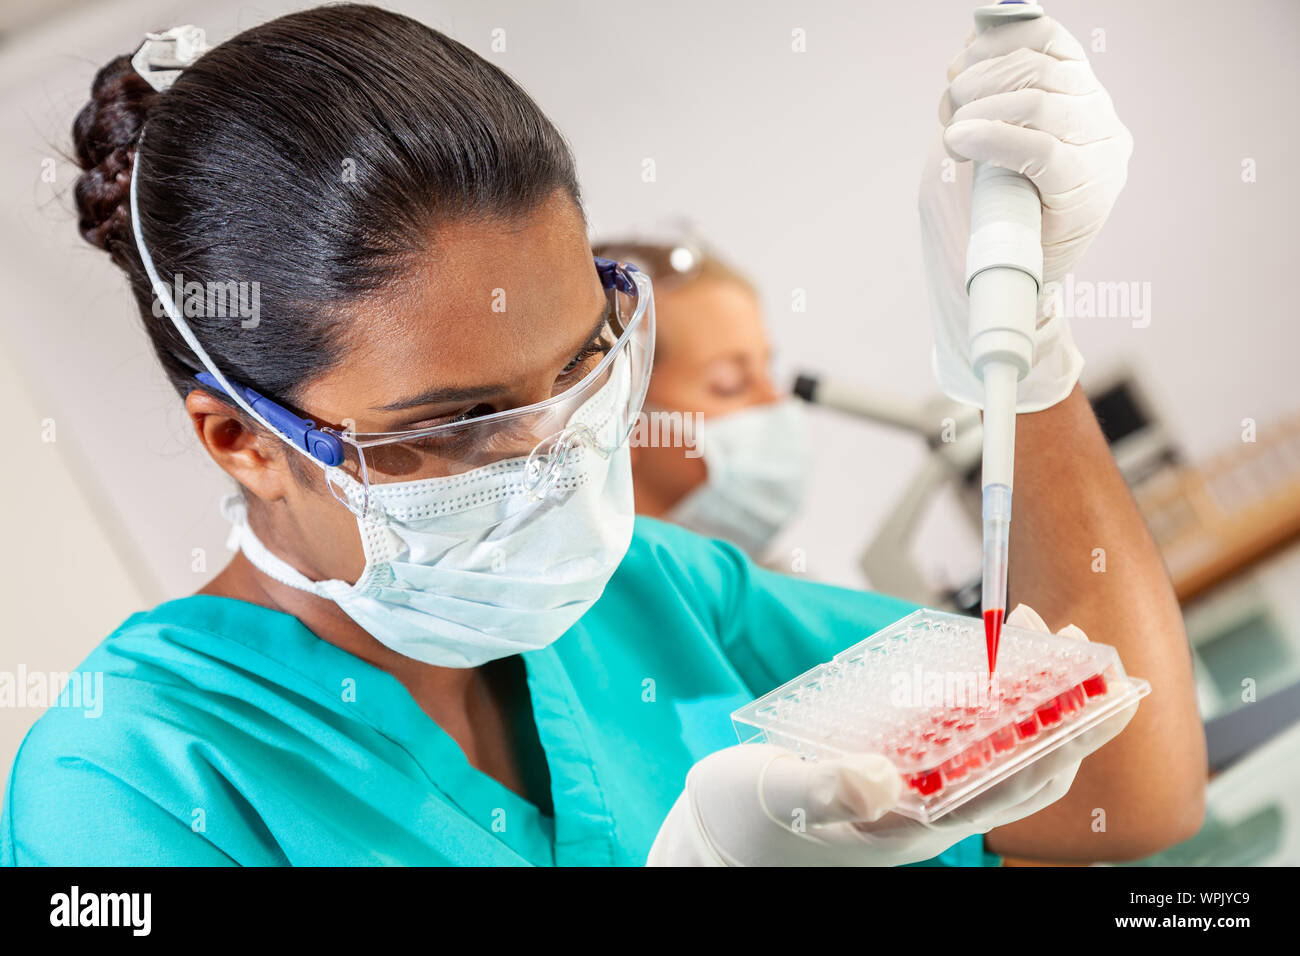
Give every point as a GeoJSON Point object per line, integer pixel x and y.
{"type": "Point", "coordinates": [449, 418]}
{"type": "Point", "coordinates": [478, 411]}
{"type": "Point", "coordinates": [582, 359]}
{"type": "Point", "coordinates": [730, 390]}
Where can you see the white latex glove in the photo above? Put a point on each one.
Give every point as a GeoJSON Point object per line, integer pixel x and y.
{"type": "Point", "coordinates": [761, 805]}
{"type": "Point", "coordinates": [1021, 96]}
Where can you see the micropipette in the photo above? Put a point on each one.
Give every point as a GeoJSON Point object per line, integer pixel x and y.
{"type": "Point", "coordinates": [1004, 271]}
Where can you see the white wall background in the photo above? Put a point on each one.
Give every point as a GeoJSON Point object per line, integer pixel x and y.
{"type": "Point", "coordinates": [801, 167]}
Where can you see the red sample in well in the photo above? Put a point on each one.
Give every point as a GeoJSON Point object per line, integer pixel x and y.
{"type": "Point", "coordinates": [1050, 712]}
{"type": "Point", "coordinates": [992, 631]}
{"type": "Point", "coordinates": [1095, 685]}
{"type": "Point", "coordinates": [1071, 700]}
{"type": "Point", "coordinates": [1026, 727]}
{"type": "Point", "coordinates": [926, 783]}
{"type": "Point", "coordinates": [1004, 738]}
{"type": "Point", "coordinates": [978, 754]}
{"type": "Point", "coordinates": [955, 768]}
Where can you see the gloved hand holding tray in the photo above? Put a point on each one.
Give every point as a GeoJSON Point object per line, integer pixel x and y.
{"type": "Point", "coordinates": [919, 692]}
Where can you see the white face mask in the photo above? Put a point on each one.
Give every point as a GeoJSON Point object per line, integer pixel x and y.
{"type": "Point", "coordinates": [464, 569]}
{"type": "Point", "coordinates": [758, 465]}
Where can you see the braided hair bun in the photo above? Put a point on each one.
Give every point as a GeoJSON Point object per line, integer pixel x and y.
{"type": "Point", "coordinates": [105, 134]}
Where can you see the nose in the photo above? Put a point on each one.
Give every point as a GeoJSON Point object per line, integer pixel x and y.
{"type": "Point", "coordinates": [765, 391]}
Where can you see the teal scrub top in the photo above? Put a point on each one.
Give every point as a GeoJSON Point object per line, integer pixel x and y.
{"type": "Point", "coordinates": [230, 734]}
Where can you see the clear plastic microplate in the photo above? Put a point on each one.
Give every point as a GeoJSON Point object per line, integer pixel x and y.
{"type": "Point", "coordinates": [919, 692]}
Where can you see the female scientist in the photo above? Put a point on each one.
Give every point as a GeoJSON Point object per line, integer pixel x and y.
{"type": "Point", "coordinates": [740, 468]}
{"type": "Point", "coordinates": [445, 639]}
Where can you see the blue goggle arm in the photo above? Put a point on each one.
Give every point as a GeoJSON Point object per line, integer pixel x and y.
{"type": "Point", "coordinates": [323, 446]}
{"type": "Point", "coordinates": [615, 276]}
{"type": "Point", "coordinates": [326, 447]}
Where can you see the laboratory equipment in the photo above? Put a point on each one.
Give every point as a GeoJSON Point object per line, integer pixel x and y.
{"type": "Point", "coordinates": [1004, 271]}
{"type": "Point", "coordinates": [887, 408]}
{"type": "Point", "coordinates": [1214, 520]}
{"type": "Point", "coordinates": [916, 691]}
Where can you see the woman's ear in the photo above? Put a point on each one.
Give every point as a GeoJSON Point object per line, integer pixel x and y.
{"type": "Point", "coordinates": [255, 460]}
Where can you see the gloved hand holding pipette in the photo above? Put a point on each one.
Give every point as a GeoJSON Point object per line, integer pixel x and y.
{"type": "Point", "coordinates": [1022, 96]}
{"type": "Point", "coordinates": [1022, 99]}
{"type": "Point", "coordinates": [761, 805]}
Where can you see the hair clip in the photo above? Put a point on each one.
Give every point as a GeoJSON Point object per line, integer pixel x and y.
{"type": "Point", "coordinates": [162, 56]}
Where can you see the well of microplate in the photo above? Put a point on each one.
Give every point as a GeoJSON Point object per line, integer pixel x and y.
{"type": "Point", "coordinates": [919, 692]}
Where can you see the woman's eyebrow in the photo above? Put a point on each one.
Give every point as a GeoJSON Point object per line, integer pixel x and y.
{"type": "Point", "coordinates": [471, 393]}
{"type": "Point", "coordinates": [440, 395]}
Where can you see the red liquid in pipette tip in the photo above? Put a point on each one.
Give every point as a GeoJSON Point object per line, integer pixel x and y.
{"type": "Point", "coordinates": [993, 631]}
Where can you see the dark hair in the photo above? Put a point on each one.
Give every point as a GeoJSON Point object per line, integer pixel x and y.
{"type": "Point", "coordinates": [243, 176]}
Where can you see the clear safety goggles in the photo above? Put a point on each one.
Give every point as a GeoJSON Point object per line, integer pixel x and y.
{"type": "Point", "coordinates": [596, 414]}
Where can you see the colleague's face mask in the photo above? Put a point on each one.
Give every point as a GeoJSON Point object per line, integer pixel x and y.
{"type": "Point", "coordinates": [467, 568]}
{"type": "Point", "coordinates": [758, 466]}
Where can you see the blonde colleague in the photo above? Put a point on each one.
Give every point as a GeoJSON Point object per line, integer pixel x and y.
{"type": "Point", "coordinates": [444, 637]}
{"type": "Point", "coordinates": [722, 450]}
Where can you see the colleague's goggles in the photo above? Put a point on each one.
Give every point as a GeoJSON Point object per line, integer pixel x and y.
{"type": "Point", "coordinates": [595, 414]}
